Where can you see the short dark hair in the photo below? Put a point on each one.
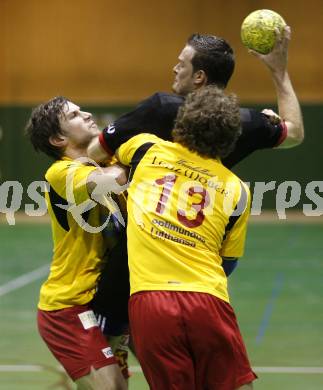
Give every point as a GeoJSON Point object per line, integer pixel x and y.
{"type": "Point", "coordinates": [208, 122]}
{"type": "Point", "coordinates": [44, 123]}
{"type": "Point", "coordinates": [214, 56]}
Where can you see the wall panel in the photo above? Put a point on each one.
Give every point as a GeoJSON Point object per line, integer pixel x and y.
{"type": "Point", "coordinates": [103, 51]}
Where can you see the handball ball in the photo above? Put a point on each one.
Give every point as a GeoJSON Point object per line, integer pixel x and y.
{"type": "Point", "coordinates": [258, 30]}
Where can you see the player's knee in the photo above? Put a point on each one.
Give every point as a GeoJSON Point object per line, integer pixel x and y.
{"type": "Point", "coordinates": [118, 382]}
{"type": "Point", "coordinates": [105, 378]}
{"type": "Point", "coordinates": [111, 378]}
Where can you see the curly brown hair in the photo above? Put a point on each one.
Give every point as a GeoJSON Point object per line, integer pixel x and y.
{"type": "Point", "coordinates": [208, 122]}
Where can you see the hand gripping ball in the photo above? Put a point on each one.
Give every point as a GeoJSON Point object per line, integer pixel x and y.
{"type": "Point", "coordinates": [258, 30]}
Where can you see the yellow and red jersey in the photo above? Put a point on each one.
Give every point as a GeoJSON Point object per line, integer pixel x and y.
{"type": "Point", "coordinates": [181, 217]}
{"type": "Point", "coordinates": [78, 252]}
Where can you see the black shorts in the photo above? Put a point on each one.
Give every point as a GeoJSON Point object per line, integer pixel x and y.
{"type": "Point", "coordinates": [110, 303]}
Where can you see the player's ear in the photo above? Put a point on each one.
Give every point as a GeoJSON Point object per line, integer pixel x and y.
{"type": "Point", "coordinates": [200, 78]}
{"type": "Point", "coordinates": [58, 140]}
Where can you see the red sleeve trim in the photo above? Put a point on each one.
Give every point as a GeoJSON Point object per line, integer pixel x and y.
{"type": "Point", "coordinates": [104, 144]}
{"type": "Point", "coordinates": [283, 134]}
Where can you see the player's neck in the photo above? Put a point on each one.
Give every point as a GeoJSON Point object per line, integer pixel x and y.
{"type": "Point", "coordinates": [74, 153]}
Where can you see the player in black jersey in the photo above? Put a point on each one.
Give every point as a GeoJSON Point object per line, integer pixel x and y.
{"type": "Point", "coordinates": [204, 60]}
{"type": "Point", "coordinates": [209, 60]}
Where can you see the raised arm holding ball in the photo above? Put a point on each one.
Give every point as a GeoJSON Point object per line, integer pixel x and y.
{"type": "Point", "coordinates": [288, 105]}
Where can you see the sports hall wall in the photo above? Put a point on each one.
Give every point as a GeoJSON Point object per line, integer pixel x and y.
{"type": "Point", "coordinates": [108, 55]}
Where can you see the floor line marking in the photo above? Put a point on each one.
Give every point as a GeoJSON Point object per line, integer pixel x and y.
{"type": "Point", "coordinates": [278, 284]}
{"type": "Point", "coordinates": [24, 279]}
{"type": "Point", "coordinates": [21, 368]}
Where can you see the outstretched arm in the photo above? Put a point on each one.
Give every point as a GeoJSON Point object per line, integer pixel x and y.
{"type": "Point", "coordinates": [288, 105]}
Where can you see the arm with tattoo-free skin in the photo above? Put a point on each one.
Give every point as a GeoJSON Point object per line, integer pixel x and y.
{"type": "Point", "coordinates": [287, 101]}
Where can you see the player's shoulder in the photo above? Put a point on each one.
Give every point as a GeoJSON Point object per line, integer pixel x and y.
{"type": "Point", "coordinates": [165, 99]}
{"type": "Point", "coordinates": [57, 167]}
{"type": "Point", "coordinates": [234, 181]}
{"type": "Point", "coordinates": [141, 141]}
{"type": "Point", "coordinates": [136, 147]}
{"type": "Point", "coordinates": [228, 175]}
{"type": "Point", "coordinates": [60, 169]}
{"type": "Point", "coordinates": [144, 138]}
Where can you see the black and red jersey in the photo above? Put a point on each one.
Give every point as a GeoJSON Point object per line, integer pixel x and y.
{"type": "Point", "coordinates": [157, 115]}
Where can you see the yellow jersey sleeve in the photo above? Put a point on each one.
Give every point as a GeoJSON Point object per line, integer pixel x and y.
{"type": "Point", "coordinates": [69, 179]}
{"type": "Point", "coordinates": [127, 150]}
{"type": "Point", "coordinates": [234, 242]}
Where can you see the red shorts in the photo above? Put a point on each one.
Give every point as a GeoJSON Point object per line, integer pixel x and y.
{"type": "Point", "coordinates": [188, 340]}
{"type": "Point", "coordinates": [75, 339]}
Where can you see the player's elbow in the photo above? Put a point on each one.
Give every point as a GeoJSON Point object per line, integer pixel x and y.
{"type": "Point", "coordinates": [295, 136]}
{"type": "Point", "coordinates": [299, 138]}
{"type": "Point", "coordinates": [296, 139]}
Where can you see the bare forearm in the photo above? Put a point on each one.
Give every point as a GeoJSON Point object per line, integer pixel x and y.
{"type": "Point", "coordinates": [288, 105]}
{"type": "Point", "coordinates": [289, 108]}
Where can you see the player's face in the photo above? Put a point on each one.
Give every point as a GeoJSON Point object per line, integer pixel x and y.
{"type": "Point", "coordinates": [78, 126]}
{"type": "Point", "coordinates": [184, 76]}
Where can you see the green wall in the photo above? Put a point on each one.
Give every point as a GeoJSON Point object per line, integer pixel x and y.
{"type": "Point", "coordinates": [19, 162]}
